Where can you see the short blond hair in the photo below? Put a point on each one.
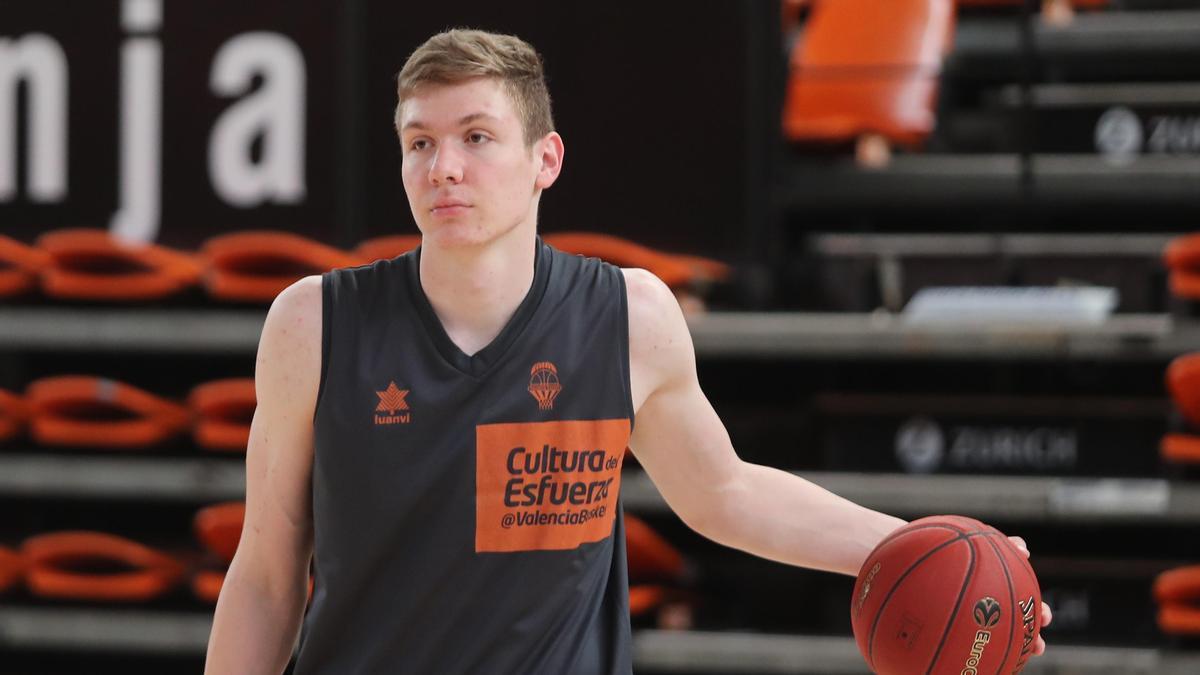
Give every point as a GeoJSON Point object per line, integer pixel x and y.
{"type": "Point", "coordinates": [461, 54]}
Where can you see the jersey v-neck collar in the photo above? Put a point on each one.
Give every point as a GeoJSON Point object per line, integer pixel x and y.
{"type": "Point", "coordinates": [478, 364]}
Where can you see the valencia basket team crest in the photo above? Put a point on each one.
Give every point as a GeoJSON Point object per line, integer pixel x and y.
{"type": "Point", "coordinates": [544, 384]}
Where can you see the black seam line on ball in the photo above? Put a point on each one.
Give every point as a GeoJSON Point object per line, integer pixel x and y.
{"type": "Point", "coordinates": [1012, 598]}
{"type": "Point", "coordinates": [886, 598]}
{"type": "Point", "coordinates": [957, 605]}
{"type": "Point", "coordinates": [896, 584]}
{"type": "Point", "coordinates": [896, 535]}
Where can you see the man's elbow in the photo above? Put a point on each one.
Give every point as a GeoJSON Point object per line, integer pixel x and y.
{"type": "Point", "coordinates": [715, 513]}
{"type": "Point", "coordinates": [273, 581]}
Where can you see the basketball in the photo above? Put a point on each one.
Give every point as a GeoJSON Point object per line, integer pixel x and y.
{"type": "Point", "coordinates": [943, 595]}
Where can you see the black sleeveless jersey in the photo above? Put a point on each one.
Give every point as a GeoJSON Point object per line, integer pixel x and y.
{"type": "Point", "coordinates": [466, 509]}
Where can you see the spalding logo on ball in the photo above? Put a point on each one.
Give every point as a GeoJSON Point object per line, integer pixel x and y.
{"type": "Point", "coordinates": [946, 595]}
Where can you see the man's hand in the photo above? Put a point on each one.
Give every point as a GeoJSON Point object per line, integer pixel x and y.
{"type": "Point", "coordinates": [1047, 616]}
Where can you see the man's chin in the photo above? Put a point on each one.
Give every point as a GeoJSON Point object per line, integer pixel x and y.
{"type": "Point", "coordinates": [451, 236]}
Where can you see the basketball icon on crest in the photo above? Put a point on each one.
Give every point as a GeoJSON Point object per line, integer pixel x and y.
{"type": "Point", "coordinates": [543, 384]}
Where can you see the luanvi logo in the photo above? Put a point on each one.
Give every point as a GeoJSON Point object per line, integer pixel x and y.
{"type": "Point", "coordinates": [987, 612]}
{"type": "Point", "coordinates": [392, 408]}
{"type": "Point", "coordinates": [544, 384]}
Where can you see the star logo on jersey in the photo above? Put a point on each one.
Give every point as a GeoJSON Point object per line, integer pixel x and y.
{"type": "Point", "coordinates": [391, 402]}
{"type": "Point", "coordinates": [544, 384]}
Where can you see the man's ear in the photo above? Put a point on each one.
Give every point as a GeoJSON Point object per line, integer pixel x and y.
{"type": "Point", "coordinates": [550, 153]}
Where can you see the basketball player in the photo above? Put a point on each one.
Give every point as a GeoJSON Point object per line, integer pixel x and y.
{"type": "Point", "coordinates": [442, 433]}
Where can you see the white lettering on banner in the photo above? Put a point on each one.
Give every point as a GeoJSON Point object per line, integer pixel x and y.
{"type": "Point", "coordinates": [1174, 135]}
{"type": "Point", "coordinates": [274, 113]}
{"type": "Point", "coordinates": [1119, 134]}
{"type": "Point", "coordinates": [141, 15]}
{"type": "Point", "coordinates": [38, 61]}
{"type": "Point", "coordinates": [137, 217]}
{"type": "Point", "coordinates": [1014, 448]}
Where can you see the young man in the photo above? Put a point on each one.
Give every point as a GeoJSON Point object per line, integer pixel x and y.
{"type": "Point", "coordinates": [444, 431]}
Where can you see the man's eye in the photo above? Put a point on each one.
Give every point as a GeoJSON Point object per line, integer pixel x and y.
{"type": "Point", "coordinates": [477, 138]}
{"type": "Point", "coordinates": [419, 144]}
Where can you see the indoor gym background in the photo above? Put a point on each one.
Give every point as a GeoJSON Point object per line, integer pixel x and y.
{"type": "Point", "coordinates": [838, 156]}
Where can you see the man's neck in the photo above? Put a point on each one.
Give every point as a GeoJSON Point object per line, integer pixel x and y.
{"type": "Point", "coordinates": [475, 291]}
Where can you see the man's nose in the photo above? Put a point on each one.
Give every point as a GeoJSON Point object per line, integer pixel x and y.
{"type": "Point", "coordinates": [447, 166]}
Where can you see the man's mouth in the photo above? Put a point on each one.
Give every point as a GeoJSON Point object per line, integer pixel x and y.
{"type": "Point", "coordinates": [446, 208]}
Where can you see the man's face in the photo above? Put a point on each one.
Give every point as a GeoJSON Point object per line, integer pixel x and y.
{"type": "Point", "coordinates": [468, 173]}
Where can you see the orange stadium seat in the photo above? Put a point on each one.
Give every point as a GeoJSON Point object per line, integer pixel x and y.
{"type": "Point", "coordinates": [651, 558]}
{"type": "Point", "coordinates": [83, 411]}
{"type": "Point", "coordinates": [13, 415]}
{"type": "Point", "coordinates": [1181, 620]}
{"type": "Point", "coordinates": [94, 265]}
{"type": "Point", "coordinates": [255, 266]}
{"type": "Point", "coordinates": [866, 67]}
{"type": "Point", "coordinates": [657, 574]}
{"type": "Point", "coordinates": [20, 266]}
{"type": "Point", "coordinates": [1183, 383]}
{"type": "Point", "coordinates": [1180, 448]}
{"type": "Point", "coordinates": [12, 569]}
{"type": "Point", "coordinates": [644, 599]}
{"type": "Point", "coordinates": [1182, 257]}
{"type": "Point", "coordinates": [1178, 594]}
{"type": "Point", "coordinates": [219, 529]}
{"type": "Point", "coordinates": [1080, 4]}
{"type": "Point", "coordinates": [386, 247]}
{"type": "Point", "coordinates": [206, 585]}
{"type": "Point", "coordinates": [1181, 584]}
{"type": "Point", "coordinates": [223, 410]}
{"type": "Point", "coordinates": [676, 271]}
{"type": "Point", "coordinates": [97, 566]}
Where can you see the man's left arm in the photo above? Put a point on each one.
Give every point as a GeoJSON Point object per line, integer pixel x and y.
{"type": "Point", "coordinates": [684, 447]}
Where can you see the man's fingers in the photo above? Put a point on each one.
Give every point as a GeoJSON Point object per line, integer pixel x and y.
{"type": "Point", "coordinates": [1039, 647]}
{"type": "Point", "coordinates": [1020, 544]}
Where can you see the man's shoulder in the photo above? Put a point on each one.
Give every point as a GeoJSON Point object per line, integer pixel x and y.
{"type": "Point", "coordinates": [302, 298]}
{"type": "Point", "coordinates": [294, 320]}
{"type": "Point", "coordinates": [656, 323]}
{"type": "Point", "coordinates": [648, 295]}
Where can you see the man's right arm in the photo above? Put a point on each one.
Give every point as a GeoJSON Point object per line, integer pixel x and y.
{"type": "Point", "coordinates": [262, 600]}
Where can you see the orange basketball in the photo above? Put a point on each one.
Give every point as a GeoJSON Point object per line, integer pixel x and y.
{"type": "Point", "coordinates": [946, 595]}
